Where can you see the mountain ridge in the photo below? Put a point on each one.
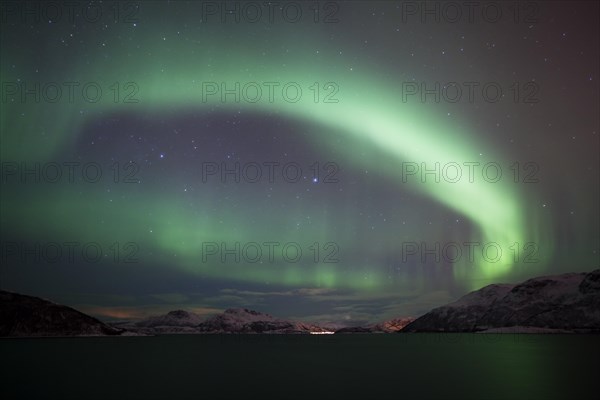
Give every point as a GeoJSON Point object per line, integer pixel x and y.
{"type": "Point", "coordinates": [555, 303]}
{"type": "Point", "coordinates": [565, 302]}
{"type": "Point", "coordinates": [22, 315]}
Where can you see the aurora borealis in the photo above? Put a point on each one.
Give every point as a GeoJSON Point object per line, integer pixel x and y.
{"type": "Point", "coordinates": [163, 130]}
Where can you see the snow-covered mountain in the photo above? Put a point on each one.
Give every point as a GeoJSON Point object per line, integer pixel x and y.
{"type": "Point", "coordinates": [177, 321]}
{"type": "Point", "coordinates": [392, 325]}
{"type": "Point", "coordinates": [172, 318]}
{"type": "Point", "coordinates": [22, 315]}
{"type": "Point", "coordinates": [568, 302]}
{"type": "Point", "coordinates": [242, 320]}
{"type": "Point", "coordinates": [233, 320]}
{"type": "Point", "coordinates": [389, 326]}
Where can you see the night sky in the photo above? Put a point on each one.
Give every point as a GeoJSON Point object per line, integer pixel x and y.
{"type": "Point", "coordinates": [227, 148]}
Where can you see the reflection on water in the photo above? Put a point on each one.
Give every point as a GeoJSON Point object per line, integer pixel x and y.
{"type": "Point", "coordinates": [445, 366]}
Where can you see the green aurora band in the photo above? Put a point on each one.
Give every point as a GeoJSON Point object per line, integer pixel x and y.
{"type": "Point", "coordinates": [369, 112]}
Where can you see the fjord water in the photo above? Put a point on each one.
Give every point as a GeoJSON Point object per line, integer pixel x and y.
{"type": "Point", "coordinates": [376, 366]}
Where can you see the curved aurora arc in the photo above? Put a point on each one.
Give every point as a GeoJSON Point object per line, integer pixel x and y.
{"type": "Point", "coordinates": [368, 109]}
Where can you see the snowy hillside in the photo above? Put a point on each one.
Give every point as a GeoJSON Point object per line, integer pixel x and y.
{"type": "Point", "coordinates": [561, 302]}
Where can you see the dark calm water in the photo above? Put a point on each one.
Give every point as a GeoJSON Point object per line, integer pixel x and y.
{"type": "Point", "coordinates": [409, 366]}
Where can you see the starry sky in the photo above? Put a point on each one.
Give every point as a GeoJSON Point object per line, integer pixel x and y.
{"type": "Point", "coordinates": [339, 162]}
